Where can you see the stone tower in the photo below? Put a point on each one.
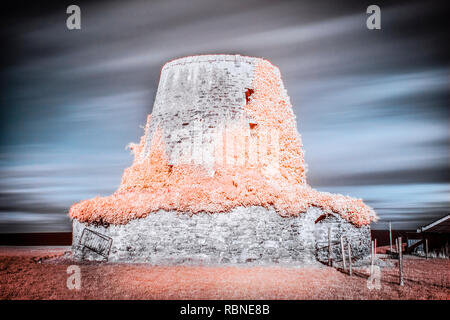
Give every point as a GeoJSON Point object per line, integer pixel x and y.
{"type": "Point", "coordinates": [195, 97]}
{"type": "Point", "coordinates": [218, 176]}
{"type": "Point", "coordinates": [198, 98]}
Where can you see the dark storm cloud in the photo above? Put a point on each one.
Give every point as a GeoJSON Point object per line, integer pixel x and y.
{"type": "Point", "coordinates": [372, 106]}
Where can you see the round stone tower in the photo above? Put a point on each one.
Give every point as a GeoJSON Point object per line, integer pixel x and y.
{"type": "Point", "coordinates": [197, 99]}
{"type": "Point", "coordinates": [219, 177]}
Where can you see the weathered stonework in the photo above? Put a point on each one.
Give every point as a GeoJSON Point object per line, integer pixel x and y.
{"type": "Point", "coordinates": [219, 177]}
{"type": "Point", "coordinates": [197, 96]}
{"type": "Point", "coordinates": [358, 238]}
{"type": "Point", "coordinates": [244, 235]}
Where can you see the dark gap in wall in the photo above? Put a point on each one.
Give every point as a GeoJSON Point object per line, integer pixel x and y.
{"type": "Point", "coordinates": [323, 216]}
{"type": "Point", "coordinates": [248, 94]}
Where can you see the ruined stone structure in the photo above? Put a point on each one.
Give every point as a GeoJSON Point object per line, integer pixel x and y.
{"type": "Point", "coordinates": [244, 235]}
{"type": "Point", "coordinates": [219, 177]}
{"type": "Point", "coordinates": [196, 96]}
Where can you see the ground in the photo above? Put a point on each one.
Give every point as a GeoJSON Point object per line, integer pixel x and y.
{"type": "Point", "coordinates": [41, 273]}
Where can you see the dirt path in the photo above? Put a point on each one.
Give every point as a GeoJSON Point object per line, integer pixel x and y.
{"type": "Point", "coordinates": [42, 274]}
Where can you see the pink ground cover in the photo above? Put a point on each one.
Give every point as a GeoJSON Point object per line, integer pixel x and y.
{"type": "Point", "coordinates": [41, 274]}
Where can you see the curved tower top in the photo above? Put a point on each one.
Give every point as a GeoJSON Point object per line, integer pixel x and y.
{"type": "Point", "coordinates": [196, 97]}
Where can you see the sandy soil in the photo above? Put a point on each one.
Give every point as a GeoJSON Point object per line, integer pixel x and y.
{"type": "Point", "coordinates": [41, 273]}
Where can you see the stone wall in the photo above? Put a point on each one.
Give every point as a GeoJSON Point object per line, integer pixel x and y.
{"type": "Point", "coordinates": [196, 97]}
{"type": "Point", "coordinates": [244, 235]}
{"type": "Point", "coordinates": [358, 238]}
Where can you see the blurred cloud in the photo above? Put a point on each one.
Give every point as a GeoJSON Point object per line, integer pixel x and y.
{"type": "Point", "coordinates": [372, 106]}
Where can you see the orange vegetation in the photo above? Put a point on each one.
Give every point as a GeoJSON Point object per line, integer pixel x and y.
{"type": "Point", "coordinates": [151, 184]}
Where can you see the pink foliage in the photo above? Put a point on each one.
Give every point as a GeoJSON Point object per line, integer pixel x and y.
{"type": "Point", "coordinates": [151, 184]}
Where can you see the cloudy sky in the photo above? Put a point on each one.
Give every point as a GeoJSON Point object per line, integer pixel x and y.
{"type": "Point", "coordinates": [371, 105]}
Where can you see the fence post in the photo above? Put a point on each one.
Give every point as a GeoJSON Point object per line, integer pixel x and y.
{"type": "Point", "coordinates": [371, 259]}
{"type": "Point", "coordinates": [349, 258]}
{"type": "Point", "coordinates": [330, 263]}
{"type": "Point", "coordinates": [343, 251]}
{"type": "Point", "coordinates": [426, 248]}
{"type": "Point", "coordinates": [390, 235]}
{"type": "Point", "coordinates": [375, 249]}
{"type": "Point", "coordinates": [400, 260]}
